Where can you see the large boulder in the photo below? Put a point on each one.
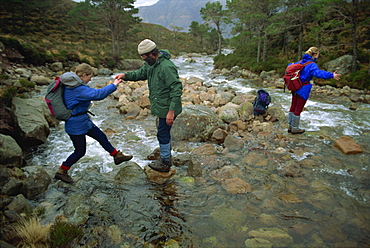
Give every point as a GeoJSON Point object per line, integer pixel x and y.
{"type": "Point", "coordinates": [229, 113]}
{"type": "Point", "coordinates": [131, 64]}
{"type": "Point", "coordinates": [37, 181]}
{"type": "Point", "coordinates": [342, 64]}
{"type": "Point", "coordinates": [10, 152]}
{"type": "Point", "coordinates": [196, 122]}
{"type": "Point", "coordinates": [33, 129]}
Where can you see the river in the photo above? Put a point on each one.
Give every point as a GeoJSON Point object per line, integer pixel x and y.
{"type": "Point", "coordinates": [328, 205]}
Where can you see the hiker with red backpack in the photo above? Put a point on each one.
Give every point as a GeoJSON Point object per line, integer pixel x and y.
{"type": "Point", "coordinates": [302, 89]}
{"type": "Point", "coordinates": [77, 97]}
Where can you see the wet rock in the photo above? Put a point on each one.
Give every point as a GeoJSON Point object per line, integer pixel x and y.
{"type": "Point", "coordinates": [237, 126]}
{"type": "Point", "coordinates": [11, 215]}
{"type": "Point", "coordinates": [158, 177]}
{"type": "Point", "coordinates": [333, 233]}
{"type": "Point", "coordinates": [229, 218]}
{"type": "Point", "coordinates": [290, 198]}
{"type": "Point", "coordinates": [205, 150]}
{"type": "Point", "coordinates": [194, 168]}
{"type": "Point", "coordinates": [233, 143]}
{"type": "Point", "coordinates": [33, 127]}
{"type": "Point", "coordinates": [347, 145]}
{"type": "Point", "coordinates": [37, 181]}
{"type": "Point", "coordinates": [303, 228]}
{"type": "Point", "coordinates": [12, 187]}
{"type": "Point", "coordinates": [19, 204]}
{"type": "Point", "coordinates": [81, 214]}
{"type": "Point", "coordinates": [258, 243]}
{"type": "Point", "coordinates": [195, 122]}
{"type": "Point", "coordinates": [154, 155]}
{"type": "Point", "coordinates": [219, 136]}
{"type": "Point", "coordinates": [6, 121]}
{"type": "Point", "coordinates": [277, 112]}
{"type": "Point", "coordinates": [255, 159]}
{"type": "Point", "coordinates": [130, 173]}
{"type": "Point", "coordinates": [236, 186]}
{"type": "Point", "coordinates": [229, 113]}
{"type": "Point", "coordinates": [226, 172]}
{"type": "Point", "coordinates": [132, 110]}
{"type": "Point", "coordinates": [10, 152]}
{"type": "Point", "coordinates": [277, 237]}
{"type": "Point", "coordinates": [291, 171]}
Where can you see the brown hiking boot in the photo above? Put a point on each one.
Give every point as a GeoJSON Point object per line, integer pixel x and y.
{"type": "Point", "coordinates": [298, 131]}
{"type": "Point", "coordinates": [63, 175]}
{"type": "Point", "coordinates": [160, 165]}
{"type": "Point", "coordinates": [120, 157]}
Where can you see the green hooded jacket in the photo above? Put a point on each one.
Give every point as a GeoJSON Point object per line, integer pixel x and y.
{"type": "Point", "coordinates": [165, 87]}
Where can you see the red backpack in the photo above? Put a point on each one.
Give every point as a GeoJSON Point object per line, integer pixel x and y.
{"type": "Point", "coordinates": [292, 76]}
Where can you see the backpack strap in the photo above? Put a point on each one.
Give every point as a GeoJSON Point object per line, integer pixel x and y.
{"type": "Point", "coordinates": [308, 62]}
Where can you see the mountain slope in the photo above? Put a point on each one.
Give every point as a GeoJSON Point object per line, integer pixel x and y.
{"type": "Point", "coordinates": [179, 13]}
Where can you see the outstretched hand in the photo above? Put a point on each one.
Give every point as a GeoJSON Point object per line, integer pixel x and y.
{"type": "Point", "coordinates": [120, 76]}
{"type": "Point", "coordinates": [337, 76]}
{"type": "Point", "coordinates": [117, 81]}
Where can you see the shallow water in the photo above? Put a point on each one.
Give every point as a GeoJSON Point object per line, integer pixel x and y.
{"type": "Point", "coordinates": [325, 206]}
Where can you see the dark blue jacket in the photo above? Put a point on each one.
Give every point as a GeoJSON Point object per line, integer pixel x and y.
{"type": "Point", "coordinates": [79, 99]}
{"type": "Point", "coordinates": [308, 72]}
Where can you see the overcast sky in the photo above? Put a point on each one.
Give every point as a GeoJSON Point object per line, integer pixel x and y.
{"type": "Point", "coordinates": [137, 3]}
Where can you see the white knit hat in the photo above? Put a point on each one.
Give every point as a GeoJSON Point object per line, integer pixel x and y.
{"type": "Point", "coordinates": [146, 46]}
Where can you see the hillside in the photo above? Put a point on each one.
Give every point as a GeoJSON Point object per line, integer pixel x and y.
{"type": "Point", "coordinates": [179, 13]}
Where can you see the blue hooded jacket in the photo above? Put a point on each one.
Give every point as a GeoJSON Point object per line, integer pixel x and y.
{"type": "Point", "coordinates": [308, 72]}
{"type": "Point", "coordinates": [78, 96]}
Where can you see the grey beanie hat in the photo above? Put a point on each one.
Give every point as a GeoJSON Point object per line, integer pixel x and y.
{"type": "Point", "coordinates": [146, 46]}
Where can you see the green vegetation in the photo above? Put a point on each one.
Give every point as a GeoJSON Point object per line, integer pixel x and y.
{"type": "Point", "coordinates": [271, 34]}
{"type": "Point", "coordinates": [64, 234]}
{"type": "Point", "coordinates": [267, 34]}
{"type": "Point", "coordinates": [26, 83]}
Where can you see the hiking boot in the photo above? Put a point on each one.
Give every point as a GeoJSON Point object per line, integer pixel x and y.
{"type": "Point", "coordinates": [63, 175]}
{"type": "Point", "coordinates": [290, 121]}
{"type": "Point", "coordinates": [295, 125]}
{"type": "Point", "coordinates": [160, 165]}
{"type": "Point", "coordinates": [120, 157]}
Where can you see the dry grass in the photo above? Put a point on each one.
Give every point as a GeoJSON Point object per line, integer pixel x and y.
{"type": "Point", "coordinates": [33, 234]}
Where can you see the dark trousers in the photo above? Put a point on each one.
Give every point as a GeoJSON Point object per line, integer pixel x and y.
{"type": "Point", "coordinates": [297, 104]}
{"type": "Point", "coordinates": [163, 132]}
{"type": "Point", "coordinates": [79, 143]}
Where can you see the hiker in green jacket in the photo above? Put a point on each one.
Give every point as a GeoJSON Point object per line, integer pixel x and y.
{"type": "Point", "coordinates": [165, 90]}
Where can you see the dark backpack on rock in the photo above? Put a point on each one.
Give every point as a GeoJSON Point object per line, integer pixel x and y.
{"type": "Point", "coordinates": [292, 76]}
{"type": "Point", "coordinates": [261, 102]}
{"type": "Point", "coordinates": [55, 101]}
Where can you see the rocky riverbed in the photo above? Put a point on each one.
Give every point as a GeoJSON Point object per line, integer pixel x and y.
{"type": "Point", "coordinates": [238, 180]}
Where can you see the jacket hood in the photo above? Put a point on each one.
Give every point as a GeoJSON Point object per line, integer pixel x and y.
{"type": "Point", "coordinates": [307, 57]}
{"type": "Point", "coordinates": [70, 79]}
{"type": "Point", "coordinates": [165, 53]}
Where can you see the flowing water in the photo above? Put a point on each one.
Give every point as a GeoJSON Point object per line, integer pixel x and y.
{"type": "Point", "coordinates": [326, 206]}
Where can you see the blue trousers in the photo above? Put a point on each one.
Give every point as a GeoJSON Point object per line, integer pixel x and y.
{"type": "Point", "coordinates": [164, 139]}
{"type": "Point", "coordinates": [79, 143]}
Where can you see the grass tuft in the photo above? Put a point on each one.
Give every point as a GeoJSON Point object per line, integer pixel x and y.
{"type": "Point", "coordinates": [33, 234]}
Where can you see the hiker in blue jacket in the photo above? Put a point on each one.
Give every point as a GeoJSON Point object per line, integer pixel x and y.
{"type": "Point", "coordinates": [78, 96]}
{"type": "Point", "coordinates": [300, 97]}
